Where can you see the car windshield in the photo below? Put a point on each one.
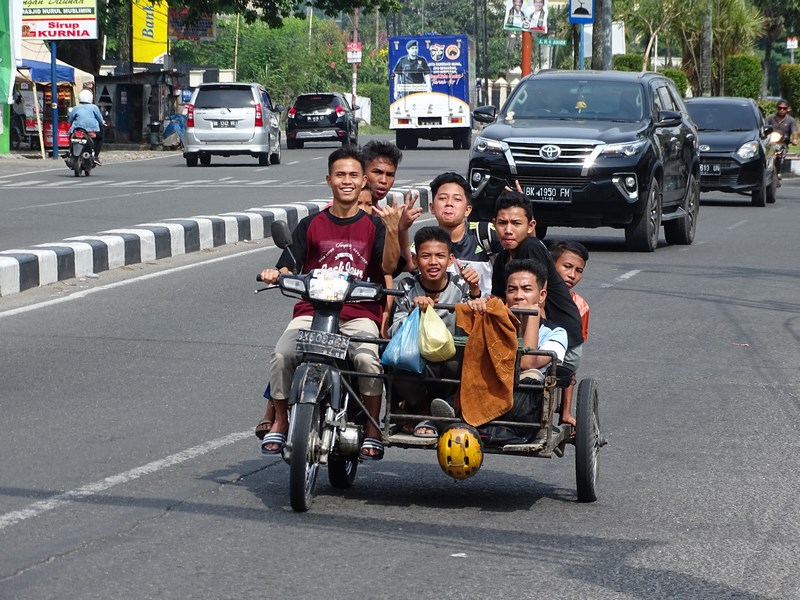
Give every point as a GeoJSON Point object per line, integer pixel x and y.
{"type": "Point", "coordinates": [224, 97]}
{"type": "Point", "coordinates": [710, 116]}
{"type": "Point", "coordinates": [569, 99]}
{"type": "Point", "coordinates": [308, 103]}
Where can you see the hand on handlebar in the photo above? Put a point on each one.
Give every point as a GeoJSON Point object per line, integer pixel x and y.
{"type": "Point", "coordinates": [269, 276]}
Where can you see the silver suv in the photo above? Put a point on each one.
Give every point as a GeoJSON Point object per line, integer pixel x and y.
{"type": "Point", "coordinates": [228, 119]}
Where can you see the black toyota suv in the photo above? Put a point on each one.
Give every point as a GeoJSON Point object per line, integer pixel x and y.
{"type": "Point", "coordinates": [593, 149]}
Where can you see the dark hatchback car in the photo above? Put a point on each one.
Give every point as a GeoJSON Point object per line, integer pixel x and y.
{"type": "Point", "coordinates": [321, 118]}
{"type": "Point", "coordinates": [593, 149]}
{"type": "Point", "coordinates": [735, 152]}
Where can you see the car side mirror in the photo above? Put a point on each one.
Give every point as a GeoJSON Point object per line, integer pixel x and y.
{"type": "Point", "coordinates": [668, 118]}
{"type": "Point", "coordinates": [356, 107]}
{"type": "Point", "coordinates": [767, 130]}
{"type": "Point", "coordinates": [485, 114]}
{"type": "Point", "coordinates": [279, 108]}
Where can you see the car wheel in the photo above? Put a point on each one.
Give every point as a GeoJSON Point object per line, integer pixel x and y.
{"type": "Point", "coordinates": [681, 231]}
{"type": "Point", "coordinates": [400, 139]}
{"type": "Point", "coordinates": [642, 234]}
{"type": "Point", "coordinates": [772, 190]}
{"type": "Point", "coordinates": [290, 144]}
{"type": "Point", "coordinates": [205, 159]}
{"type": "Point", "coordinates": [263, 160]}
{"type": "Point", "coordinates": [191, 160]}
{"type": "Point", "coordinates": [413, 140]}
{"type": "Point", "coordinates": [759, 196]}
{"type": "Point", "coordinates": [466, 139]}
{"type": "Point", "coordinates": [275, 157]}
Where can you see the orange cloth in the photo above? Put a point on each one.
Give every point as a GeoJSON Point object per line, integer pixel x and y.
{"type": "Point", "coordinates": [487, 373]}
{"type": "Point", "coordinates": [583, 308]}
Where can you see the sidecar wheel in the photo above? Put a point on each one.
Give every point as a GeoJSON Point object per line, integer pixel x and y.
{"type": "Point", "coordinates": [304, 465]}
{"type": "Point", "coordinates": [587, 440]}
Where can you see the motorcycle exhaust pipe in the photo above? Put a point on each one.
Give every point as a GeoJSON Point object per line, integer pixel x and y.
{"type": "Point", "coordinates": [86, 155]}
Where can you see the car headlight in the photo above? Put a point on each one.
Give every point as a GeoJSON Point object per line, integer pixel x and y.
{"type": "Point", "coordinates": [328, 284]}
{"type": "Point", "coordinates": [625, 149]}
{"type": "Point", "coordinates": [490, 146]}
{"type": "Point", "coordinates": [748, 150]}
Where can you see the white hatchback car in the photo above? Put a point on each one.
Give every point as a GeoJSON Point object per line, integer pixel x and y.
{"type": "Point", "coordinates": [229, 119]}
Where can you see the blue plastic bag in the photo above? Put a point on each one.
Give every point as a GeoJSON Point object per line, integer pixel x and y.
{"type": "Point", "coordinates": [402, 352]}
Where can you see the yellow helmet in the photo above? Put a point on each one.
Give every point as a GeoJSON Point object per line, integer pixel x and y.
{"type": "Point", "coordinates": [459, 451]}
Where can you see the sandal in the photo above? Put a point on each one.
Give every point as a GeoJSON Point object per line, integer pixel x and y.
{"type": "Point", "coordinates": [263, 428]}
{"type": "Point", "coordinates": [433, 434]}
{"type": "Point", "coordinates": [371, 443]}
{"type": "Point", "coordinates": [273, 438]}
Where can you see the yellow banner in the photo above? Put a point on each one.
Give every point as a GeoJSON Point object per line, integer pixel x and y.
{"type": "Point", "coordinates": [149, 31]}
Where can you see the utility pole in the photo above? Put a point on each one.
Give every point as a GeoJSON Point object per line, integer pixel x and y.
{"type": "Point", "coordinates": [355, 65]}
{"type": "Point", "coordinates": [236, 51]}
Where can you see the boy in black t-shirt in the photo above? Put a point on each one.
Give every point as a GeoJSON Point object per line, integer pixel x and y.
{"type": "Point", "coordinates": [515, 226]}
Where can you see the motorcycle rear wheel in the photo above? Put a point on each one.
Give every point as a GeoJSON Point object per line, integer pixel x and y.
{"type": "Point", "coordinates": [304, 466]}
{"type": "Point", "coordinates": [77, 169]}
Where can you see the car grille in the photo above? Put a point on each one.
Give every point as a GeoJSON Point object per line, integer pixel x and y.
{"type": "Point", "coordinates": [729, 172]}
{"type": "Point", "coordinates": [529, 152]}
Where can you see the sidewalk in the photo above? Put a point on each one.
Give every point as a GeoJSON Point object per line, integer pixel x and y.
{"type": "Point", "coordinates": [25, 161]}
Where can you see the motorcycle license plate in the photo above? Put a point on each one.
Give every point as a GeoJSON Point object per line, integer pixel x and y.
{"type": "Point", "coordinates": [319, 342]}
{"type": "Point", "coordinates": [710, 169]}
{"type": "Point", "coordinates": [549, 193]}
{"type": "Point", "coordinates": [225, 123]}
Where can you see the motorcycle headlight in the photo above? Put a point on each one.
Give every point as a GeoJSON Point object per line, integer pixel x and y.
{"type": "Point", "coordinates": [621, 150]}
{"type": "Point", "coordinates": [748, 150]}
{"type": "Point", "coordinates": [292, 284]}
{"type": "Point", "coordinates": [490, 146]}
{"type": "Point", "coordinates": [328, 284]}
{"type": "Point", "coordinates": [775, 137]}
{"type": "Point", "coordinates": [364, 292]}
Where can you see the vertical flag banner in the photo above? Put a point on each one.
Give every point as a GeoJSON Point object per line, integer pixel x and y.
{"type": "Point", "coordinates": [10, 43]}
{"type": "Point", "coordinates": [149, 31]}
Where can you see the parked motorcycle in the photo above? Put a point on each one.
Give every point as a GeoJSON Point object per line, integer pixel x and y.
{"type": "Point", "coordinates": [326, 412]}
{"type": "Point", "coordinates": [80, 157]}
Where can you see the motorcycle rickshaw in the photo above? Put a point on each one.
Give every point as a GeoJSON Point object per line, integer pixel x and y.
{"type": "Point", "coordinates": [328, 419]}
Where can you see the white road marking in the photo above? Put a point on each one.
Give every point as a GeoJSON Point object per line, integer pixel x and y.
{"type": "Point", "coordinates": [738, 224]}
{"type": "Point", "coordinates": [262, 182]}
{"type": "Point", "coordinates": [620, 279]}
{"type": "Point", "coordinates": [81, 200]}
{"type": "Point", "coordinates": [164, 181]}
{"type": "Point", "coordinates": [294, 162]}
{"type": "Point", "coordinates": [92, 489]}
{"type": "Point", "coordinates": [127, 183]}
{"type": "Point", "coordinates": [84, 293]}
{"type": "Point", "coordinates": [25, 183]}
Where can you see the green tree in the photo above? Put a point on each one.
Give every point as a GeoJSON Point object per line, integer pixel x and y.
{"type": "Point", "coordinates": [652, 17]}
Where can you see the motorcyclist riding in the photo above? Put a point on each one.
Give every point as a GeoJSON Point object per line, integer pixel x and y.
{"type": "Point", "coordinates": [783, 124]}
{"type": "Point", "coordinates": [87, 116]}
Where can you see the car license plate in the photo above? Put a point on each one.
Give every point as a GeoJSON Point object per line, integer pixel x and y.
{"type": "Point", "coordinates": [319, 342]}
{"type": "Point", "coordinates": [549, 193]}
{"type": "Point", "coordinates": [710, 169]}
{"type": "Point", "coordinates": [224, 123]}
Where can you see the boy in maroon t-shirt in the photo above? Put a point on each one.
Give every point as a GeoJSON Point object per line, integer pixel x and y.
{"type": "Point", "coordinates": [346, 238]}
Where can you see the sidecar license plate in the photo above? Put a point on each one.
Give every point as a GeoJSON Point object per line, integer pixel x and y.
{"type": "Point", "coordinates": [319, 342]}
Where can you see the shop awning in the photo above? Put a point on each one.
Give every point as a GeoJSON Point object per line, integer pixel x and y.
{"type": "Point", "coordinates": [40, 71]}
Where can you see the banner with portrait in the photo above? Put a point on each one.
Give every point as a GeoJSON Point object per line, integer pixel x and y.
{"type": "Point", "coordinates": [526, 15]}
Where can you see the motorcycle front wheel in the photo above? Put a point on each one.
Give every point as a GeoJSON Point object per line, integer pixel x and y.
{"type": "Point", "coordinates": [304, 466]}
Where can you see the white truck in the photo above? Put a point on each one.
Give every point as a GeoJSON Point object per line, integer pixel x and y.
{"type": "Point", "coordinates": [431, 89]}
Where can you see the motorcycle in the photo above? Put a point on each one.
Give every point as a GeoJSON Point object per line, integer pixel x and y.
{"type": "Point", "coordinates": [327, 416]}
{"type": "Point", "coordinates": [80, 157]}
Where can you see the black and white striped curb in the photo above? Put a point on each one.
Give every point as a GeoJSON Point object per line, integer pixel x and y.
{"type": "Point", "coordinates": [81, 256]}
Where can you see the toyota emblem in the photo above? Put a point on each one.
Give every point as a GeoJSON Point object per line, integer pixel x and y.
{"type": "Point", "coordinates": [550, 152]}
